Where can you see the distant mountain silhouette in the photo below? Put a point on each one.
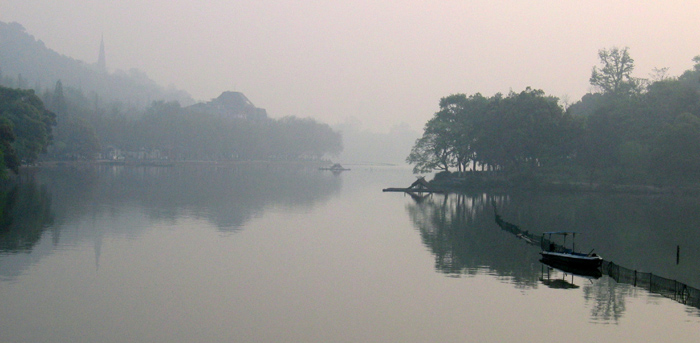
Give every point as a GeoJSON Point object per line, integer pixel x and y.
{"type": "Point", "coordinates": [27, 63]}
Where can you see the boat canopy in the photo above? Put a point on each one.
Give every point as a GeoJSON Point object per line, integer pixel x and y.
{"type": "Point", "coordinates": [560, 232]}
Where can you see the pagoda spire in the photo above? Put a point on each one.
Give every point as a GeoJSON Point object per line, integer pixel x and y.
{"type": "Point", "coordinates": [102, 60]}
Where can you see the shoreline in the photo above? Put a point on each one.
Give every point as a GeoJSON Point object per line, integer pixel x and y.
{"type": "Point", "coordinates": [499, 186]}
{"type": "Point", "coordinates": [160, 163]}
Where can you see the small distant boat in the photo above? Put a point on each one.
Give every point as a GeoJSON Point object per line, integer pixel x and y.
{"type": "Point", "coordinates": [335, 167]}
{"type": "Point", "coordinates": [561, 256]}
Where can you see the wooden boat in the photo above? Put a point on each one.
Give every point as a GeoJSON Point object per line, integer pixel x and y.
{"type": "Point", "coordinates": [560, 255]}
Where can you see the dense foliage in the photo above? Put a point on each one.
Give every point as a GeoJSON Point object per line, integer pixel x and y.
{"type": "Point", "coordinates": [168, 131]}
{"type": "Point", "coordinates": [25, 128]}
{"type": "Point", "coordinates": [182, 134]}
{"type": "Point", "coordinates": [514, 132]}
{"type": "Point", "coordinates": [632, 131]}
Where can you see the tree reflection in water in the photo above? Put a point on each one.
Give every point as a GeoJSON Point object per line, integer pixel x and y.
{"type": "Point", "coordinates": [227, 196]}
{"type": "Point", "coordinates": [608, 299]}
{"type": "Point", "coordinates": [460, 231]}
{"type": "Point", "coordinates": [61, 199]}
{"type": "Point", "coordinates": [25, 213]}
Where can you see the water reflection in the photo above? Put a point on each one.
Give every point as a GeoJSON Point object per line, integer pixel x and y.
{"type": "Point", "coordinates": [459, 231]}
{"type": "Point", "coordinates": [25, 213]}
{"type": "Point", "coordinates": [668, 288]}
{"type": "Point", "coordinates": [587, 273]}
{"type": "Point", "coordinates": [638, 231]}
{"type": "Point", "coordinates": [226, 196]}
{"type": "Point", "coordinates": [607, 299]}
{"type": "Point", "coordinates": [85, 203]}
{"type": "Point", "coordinates": [560, 279]}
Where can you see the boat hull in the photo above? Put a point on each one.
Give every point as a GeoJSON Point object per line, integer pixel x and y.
{"type": "Point", "coordinates": [587, 272]}
{"type": "Point", "coordinates": [572, 260]}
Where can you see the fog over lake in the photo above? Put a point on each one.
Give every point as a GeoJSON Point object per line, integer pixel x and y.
{"type": "Point", "coordinates": [179, 171]}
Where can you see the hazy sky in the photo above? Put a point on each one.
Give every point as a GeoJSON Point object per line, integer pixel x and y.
{"type": "Point", "coordinates": [379, 62]}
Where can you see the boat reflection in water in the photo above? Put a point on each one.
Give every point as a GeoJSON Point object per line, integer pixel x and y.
{"type": "Point", "coordinates": [566, 270]}
{"type": "Point", "coordinates": [568, 261]}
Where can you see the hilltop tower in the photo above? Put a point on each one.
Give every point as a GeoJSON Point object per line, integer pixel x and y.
{"type": "Point", "coordinates": [101, 59]}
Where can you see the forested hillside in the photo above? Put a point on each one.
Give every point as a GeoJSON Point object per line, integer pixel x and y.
{"type": "Point", "coordinates": [26, 62]}
{"type": "Point", "coordinates": [53, 107]}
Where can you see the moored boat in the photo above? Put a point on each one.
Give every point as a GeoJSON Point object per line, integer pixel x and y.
{"type": "Point", "coordinates": [561, 255]}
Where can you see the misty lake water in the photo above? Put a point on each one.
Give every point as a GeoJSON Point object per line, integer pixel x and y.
{"type": "Point", "coordinates": [280, 253]}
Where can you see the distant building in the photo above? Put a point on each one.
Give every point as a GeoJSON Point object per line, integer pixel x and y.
{"type": "Point", "coordinates": [102, 59]}
{"type": "Point", "coordinates": [231, 105]}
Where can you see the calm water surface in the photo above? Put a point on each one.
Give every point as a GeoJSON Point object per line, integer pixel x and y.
{"type": "Point", "coordinates": [267, 253]}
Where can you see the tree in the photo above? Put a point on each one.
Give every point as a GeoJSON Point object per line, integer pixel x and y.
{"type": "Point", "coordinates": [524, 130]}
{"type": "Point", "coordinates": [527, 129]}
{"type": "Point", "coordinates": [449, 137]}
{"type": "Point", "coordinates": [58, 100]}
{"type": "Point", "coordinates": [77, 140]}
{"type": "Point", "coordinates": [615, 74]}
{"type": "Point", "coordinates": [692, 77]}
{"type": "Point", "coordinates": [598, 146]}
{"type": "Point", "coordinates": [460, 123]}
{"type": "Point", "coordinates": [677, 150]}
{"type": "Point", "coordinates": [429, 153]}
{"type": "Point", "coordinates": [447, 129]}
{"type": "Point", "coordinates": [31, 123]}
{"type": "Point", "coordinates": [8, 156]}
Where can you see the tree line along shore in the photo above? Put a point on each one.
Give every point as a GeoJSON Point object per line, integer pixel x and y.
{"type": "Point", "coordinates": [632, 134]}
